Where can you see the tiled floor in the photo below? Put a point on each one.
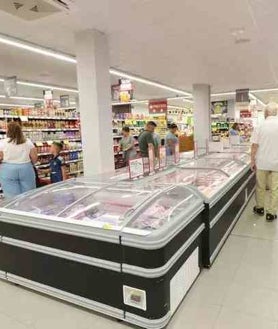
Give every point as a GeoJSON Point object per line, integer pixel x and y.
{"type": "Point", "coordinates": [239, 292]}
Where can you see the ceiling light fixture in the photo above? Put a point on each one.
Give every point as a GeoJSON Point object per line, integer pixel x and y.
{"type": "Point", "coordinates": [35, 48]}
{"type": "Point", "coordinates": [147, 82]}
{"type": "Point", "coordinates": [232, 93]}
{"type": "Point", "coordinates": [16, 105]}
{"type": "Point", "coordinates": [252, 96]}
{"type": "Point", "coordinates": [43, 86]}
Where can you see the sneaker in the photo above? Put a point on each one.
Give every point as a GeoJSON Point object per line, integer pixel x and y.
{"type": "Point", "coordinates": [258, 211]}
{"type": "Point", "coordinates": [270, 217]}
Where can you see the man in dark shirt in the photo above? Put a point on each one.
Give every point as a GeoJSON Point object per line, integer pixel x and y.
{"type": "Point", "coordinates": [146, 139]}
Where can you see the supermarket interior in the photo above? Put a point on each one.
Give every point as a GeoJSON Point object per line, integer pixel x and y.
{"type": "Point", "coordinates": [146, 111]}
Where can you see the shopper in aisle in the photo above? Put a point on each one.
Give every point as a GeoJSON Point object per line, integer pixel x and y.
{"type": "Point", "coordinates": [17, 154]}
{"type": "Point", "coordinates": [264, 160]}
{"type": "Point", "coordinates": [171, 139]}
{"type": "Point", "coordinates": [57, 168]}
{"type": "Point", "coordinates": [146, 139]}
{"type": "Point", "coordinates": [127, 145]}
{"type": "Point", "coordinates": [234, 131]}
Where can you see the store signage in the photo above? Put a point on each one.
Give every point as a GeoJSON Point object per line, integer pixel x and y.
{"type": "Point", "coordinates": [146, 165]}
{"type": "Point", "coordinates": [218, 108]}
{"type": "Point", "coordinates": [64, 101]}
{"type": "Point", "coordinates": [162, 157]}
{"type": "Point", "coordinates": [245, 113]}
{"type": "Point", "coordinates": [48, 99]}
{"type": "Point", "coordinates": [242, 96]}
{"type": "Point", "coordinates": [136, 168]}
{"type": "Point", "coordinates": [158, 106]}
{"type": "Point", "coordinates": [10, 86]}
{"type": "Point", "coordinates": [151, 159]}
{"type": "Point", "coordinates": [123, 91]}
{"type": "Point", "coordinates": [177, 153]}
{"type": "Point", "coordinates": [38, 105]}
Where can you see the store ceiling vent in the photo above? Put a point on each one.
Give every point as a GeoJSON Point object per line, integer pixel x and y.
{"type": "Point", "coordinates": [34, 9]}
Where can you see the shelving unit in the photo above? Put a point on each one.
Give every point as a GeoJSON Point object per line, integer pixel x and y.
{"type": "Point", "coordinates": [42, 127]}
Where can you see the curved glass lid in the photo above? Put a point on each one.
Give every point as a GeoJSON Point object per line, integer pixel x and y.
{"type": "Point", "coordinates": [230, 167]}
{"type": "Point", "coordinates": [106, 208]}
{"type": "Point", "coordinates": [207, 181]}
{"type": "Point", "coordinates": [53, 199]}
{"type": "Point", "coordinates": [162, 209]}
{"type": "Point", "coordinates": [244, 157]}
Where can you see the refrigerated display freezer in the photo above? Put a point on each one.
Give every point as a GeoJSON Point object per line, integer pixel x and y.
{"type": "Point", "coordinates": [226, 186]}
{"type": "Point", "coordinates": [114, 248]}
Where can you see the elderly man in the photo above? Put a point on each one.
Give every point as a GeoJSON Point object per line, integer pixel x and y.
{"type": "Point", "coordinates": [264, 160]}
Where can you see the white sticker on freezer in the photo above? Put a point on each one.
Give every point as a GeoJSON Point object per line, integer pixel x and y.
{"type": "Point", "coordinates": [135, 297]}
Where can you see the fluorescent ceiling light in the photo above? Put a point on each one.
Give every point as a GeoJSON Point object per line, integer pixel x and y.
{"type": "Point", "coordinates": [264, 90]}
{"type": "Point", "coordinates": [256, 98]}
{"type": "Point", "coordinates": [178, 107]}
{"type": "Point", "coordinates": [15, 105]}
{"type": "Point", "coordinates": [232, 93]}
{"type": "Point", "coordinates": [43, 86]}
{"type": "Point", "coordinates": [36, 49]}
{"type": "Point", "coordinates": [147, 82]}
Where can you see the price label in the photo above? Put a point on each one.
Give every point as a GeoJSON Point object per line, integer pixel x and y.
{"type": "Point", "coordinates": [136, 168]}
{"type": "Point", "coordinates": [162, 157]}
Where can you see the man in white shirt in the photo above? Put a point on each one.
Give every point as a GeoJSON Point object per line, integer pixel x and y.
{"type": "Point", "coordinates": [264, 160]}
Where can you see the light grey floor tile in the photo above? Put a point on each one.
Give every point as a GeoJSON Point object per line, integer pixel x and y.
{"type": "Point", "coordinates": [230, 319]}
{"type": "Point", "coordinates": [253, 301]}
{"type": "Point", "coordinates": [7, 322]}
{"type": "Point", "coordinates": [191, 317]}
{"type": "Point", "coordinates": [207, 291]}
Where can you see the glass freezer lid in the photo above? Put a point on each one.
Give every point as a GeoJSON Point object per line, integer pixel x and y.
{"type": "Point", "coordinates": [54, 198]}
{"type": "Point", "coordinates": [162, 209]}
{"type": "Point", "coordinates": [207, 181]}
{"type": "Point", "coordinates": [230, 167]}
{"type": "Point", "coordinates": [243, 157]}
{"type": "Point", "coordinates": [106, 208]}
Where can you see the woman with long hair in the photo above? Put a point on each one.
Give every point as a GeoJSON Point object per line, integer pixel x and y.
{"type": "Point", "coordinates": [18, 155]}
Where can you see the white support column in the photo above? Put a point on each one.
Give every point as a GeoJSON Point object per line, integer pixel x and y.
{"type": "Point", "coordinates": [95, 101]}
{"type": "Point", "coordinates": [202, 119]}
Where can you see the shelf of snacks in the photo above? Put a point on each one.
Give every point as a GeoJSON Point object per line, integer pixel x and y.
{"type": "Point", "coordinates": [42, 127]}
{"type": "Point", "coordinates": [183, 118]}
{"type": "Point", "coordinates": [220, 130]}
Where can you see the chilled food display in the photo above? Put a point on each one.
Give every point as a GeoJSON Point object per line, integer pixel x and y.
{"type": "Point", "coordinates": [168, 206]}
{"type": "Point", "coordinates": [244, 157]}
{"type": "Point", "coordinates": [230, 167]}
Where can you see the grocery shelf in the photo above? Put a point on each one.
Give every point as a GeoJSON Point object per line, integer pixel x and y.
{"type": "Point", "coordinates": [65, 151]}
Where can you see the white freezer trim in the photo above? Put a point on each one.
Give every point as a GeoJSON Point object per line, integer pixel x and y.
{"type": "Point", "coordinates": [160, 271]}
{"type": "Point", "coordinates": [68, 297]}
{"type": "Point", "coordinates": [147, 323]}
{"type": "Point", "coordinates": [63, 254]}
{"type": "Point", "coordinates": [75, 229]}
{"type": "Point", "coordinates": [159, 240]}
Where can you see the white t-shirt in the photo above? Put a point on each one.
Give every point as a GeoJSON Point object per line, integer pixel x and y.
{"type": "Point", "coordinates": [266, 136]}
{"type": "Point", "coordinates": [14, 153]}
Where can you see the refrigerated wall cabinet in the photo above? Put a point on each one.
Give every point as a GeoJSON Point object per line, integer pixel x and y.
{"type": "Point", "coordinates": [113, 248]}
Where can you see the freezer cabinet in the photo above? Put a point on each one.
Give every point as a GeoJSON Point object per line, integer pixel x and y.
{"type": "Point", "coordinates": [93, 245]}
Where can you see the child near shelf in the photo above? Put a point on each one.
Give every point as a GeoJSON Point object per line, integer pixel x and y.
{"type": "Point", "coordinates": [57, 168]}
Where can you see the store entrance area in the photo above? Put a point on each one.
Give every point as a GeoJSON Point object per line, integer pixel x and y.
{"type": "Point", "coordinates": [240, 291]}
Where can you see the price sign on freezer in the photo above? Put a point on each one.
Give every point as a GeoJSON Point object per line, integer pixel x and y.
{"type": "Point", "coordinates": [136, 168]}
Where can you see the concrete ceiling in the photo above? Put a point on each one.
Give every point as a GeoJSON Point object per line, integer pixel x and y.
{"type": "Point", "coordinates": [178, 42]}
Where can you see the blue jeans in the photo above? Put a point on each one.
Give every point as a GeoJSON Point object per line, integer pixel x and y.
{"type": "Point", "coordinates": [17, 178]}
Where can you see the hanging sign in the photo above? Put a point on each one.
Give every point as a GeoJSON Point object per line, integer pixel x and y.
{"type": "Point", "coordinates": [242, 96]}
{"type": "Point", "coordinates": [136, 168]}
{"type": "Point", "coordinates": [151, 159]}
{"type": "Point", "coordinates": [48, 99]}
{"type": "Point", "coordinates": [10, 86]}
{"type": "Point", "coordinates": [177, 153]}
{"type": "Point", "coordinates": [64, 101]}
{"type": "Point", "coordinates": [158, 106]}
{"type": "Point", "coordinates": [162, 157]}
{"type": "Point", "coordinates": [115, 93]}
{"type": "Point", "coordinates": [219, 107]}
